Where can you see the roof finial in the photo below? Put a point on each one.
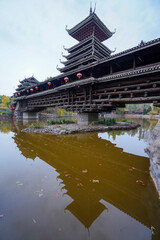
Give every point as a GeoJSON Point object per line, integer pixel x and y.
{"type": "Point", "coordinates": [94, 8]}
{"type": "Point", "coordinates": [64, 47]}
{"type": "Point", "coordinates": [66, 28]}
{"type": "Point", "coordinates": [114, 50]}
{"type": "Point", "coordinates": [114, 31]}
{"type": "Point", "coordinates": [90, 7]}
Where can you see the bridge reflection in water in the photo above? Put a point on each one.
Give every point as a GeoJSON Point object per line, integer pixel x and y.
{"type": "Point", "coordinates": [104, 162]}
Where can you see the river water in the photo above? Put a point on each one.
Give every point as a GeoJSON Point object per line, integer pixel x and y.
{"type": "Point", "coordinates": [75, 187]}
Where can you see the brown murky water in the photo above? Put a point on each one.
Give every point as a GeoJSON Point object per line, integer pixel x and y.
{"type": "Point", "coordinates": [76, 187]}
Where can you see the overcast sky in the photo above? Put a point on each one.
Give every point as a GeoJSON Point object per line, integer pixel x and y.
{"type": "Point", "coordinates": [32, 32]}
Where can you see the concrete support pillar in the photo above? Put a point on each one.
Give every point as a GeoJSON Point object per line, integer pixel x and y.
{"type": "Point", "coordinates": [87, 118]}
{"type": "Point", "coordinates": [30, 115]}
{"type": "Point", "coordinates": [17, 113]}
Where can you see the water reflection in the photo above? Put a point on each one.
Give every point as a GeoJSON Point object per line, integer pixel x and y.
{"type": "Point", "coordinates": [104, 162]}
{"type": "Point", "coordinates": [132, 141]}
{"type": "Point", "coordinates": [112, 207]}
{"type": "Point", "coordinates": [6, 126]}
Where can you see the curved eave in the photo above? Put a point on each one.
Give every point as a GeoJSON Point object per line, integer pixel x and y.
{"type": "Point", "coordinates": [103, 47]}
{"type": "Point", "coordinates": [99, 54]}
{"type": "Point", "coordinates": [83, 42]}
{"type": "Point", "coordinates": [86, 47]}
{"type": "Point", "coordinates": [76, 64]}
{"type": "Point", "coordinates": [89, 48]}
{"type": "Point", "coordinates": [73, 48]}
{"type": "Point", "coordinates": [86, 54]}
{"type": "Point", "coordinates": [89, 52]}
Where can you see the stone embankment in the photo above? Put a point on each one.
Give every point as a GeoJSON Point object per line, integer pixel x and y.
{"type": "Point", "coordinates": [153, 151]}
{"type": "Point", "coordinates": [5, 117]}
{"type": "Point", "coordinates": [131, 116]}
{"type": "Point", "coordinates": [74, 128]}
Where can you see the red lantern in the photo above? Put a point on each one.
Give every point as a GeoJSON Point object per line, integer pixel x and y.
{"type": "Point", "coordinates": [31, 89]}
{"type": "Point", "coordinates": [79, 75]}
{"type": "Point", "coordinates": [36, 88]}
{"type": "Point", "coordinates": [27, 91]}
{"type": "Point", "coordinates": [19, 93]}
{"type": "Point", "coordinates": [13, 107]}
{"type": "Point", "coordinates": [49, 83]}
{"type": "Point", "coordinates": [66, 79]}
{"type": "Point", "coordinates": [16, 94]}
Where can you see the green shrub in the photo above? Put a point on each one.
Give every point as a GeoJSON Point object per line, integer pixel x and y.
{"type": "Point", "coordinates": [123, 120]}
{"type": "Point", "coordinates": [126, 120]}
{"type": "Point", "coordinates": [108, 122]}
{"type": "Point", "coordinates": [130, 121]}
{"type": "Point", "coordinates": [36, 125]}
{"type": "Point", "coordinates": [145, 111]}
{"type": "Point", "coordinates": [59, 121]}
{"type": "Point", "coordinates": [7, 112]}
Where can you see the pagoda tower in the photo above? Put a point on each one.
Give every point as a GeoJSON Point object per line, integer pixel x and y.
{"type": "Point", "coordinates": [90, 33]}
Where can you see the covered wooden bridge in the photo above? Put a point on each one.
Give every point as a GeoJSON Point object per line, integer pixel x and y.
{"type": "Point", "coordinates": [93, 78]}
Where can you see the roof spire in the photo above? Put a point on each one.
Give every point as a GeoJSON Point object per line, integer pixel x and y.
{"type": "Point", "coordinates": [90, 7]}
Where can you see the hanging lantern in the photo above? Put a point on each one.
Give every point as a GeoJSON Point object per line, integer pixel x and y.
{"type": "Point", "coordinates": [49, 83]}
{"type": "Point", "coordinates": [66, 79]}
{"type": "Point", "coordinates": [13, 107]}
{"type": "Point", "coordinates": [19, 93]}
{"type": "Point", "coordinates": [27, 91]}
{"type": "Point", "coordinates": [36, 87]}
{"type": "Point", "coordinates": [16, 94]}
{"type": "Point", "coordinates": [79, 75]}
{"type": "Point", "coordinates": [31, 89]}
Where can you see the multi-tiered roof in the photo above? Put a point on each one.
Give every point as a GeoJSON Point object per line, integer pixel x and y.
{"type": "Point", "coordinates": [90, 33]}
{"type": "Point", "coordinates": [27, 83]}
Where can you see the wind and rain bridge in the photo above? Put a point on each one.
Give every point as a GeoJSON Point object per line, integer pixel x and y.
{"type": "Point", "coordinates": [94, 79]}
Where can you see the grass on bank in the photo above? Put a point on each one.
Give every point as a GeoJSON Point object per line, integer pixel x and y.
{"type": "Point", "coordinates": [104, 121]}
{"type": "Point", "coordinates": [108, 121]}
{"type": "Point", "coordinates": [60, 121]}
{"type": "Point", "coordinates": [50, 122]}
{"type": "Point", "coordinates": [36, 125]}
{"type": "Point", "coordinates": [126, 120]}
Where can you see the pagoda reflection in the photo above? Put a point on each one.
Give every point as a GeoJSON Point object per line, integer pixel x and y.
{"type": "Point", "coordinates": [70, 155]}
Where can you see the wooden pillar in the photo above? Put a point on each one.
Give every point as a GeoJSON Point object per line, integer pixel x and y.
{"type": "Point", "coordinates": [72, 99]}
{"type": "Point", "coordinates": [68, 97]}
{"type": "Point", "coordinates": [111, 68]}
{"type": "Point", "coordinates": [85, 96]}
{"type": "Point", "coordinates": [90, 95]}
{"type": "Point", "coordinates": [134, 62]}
